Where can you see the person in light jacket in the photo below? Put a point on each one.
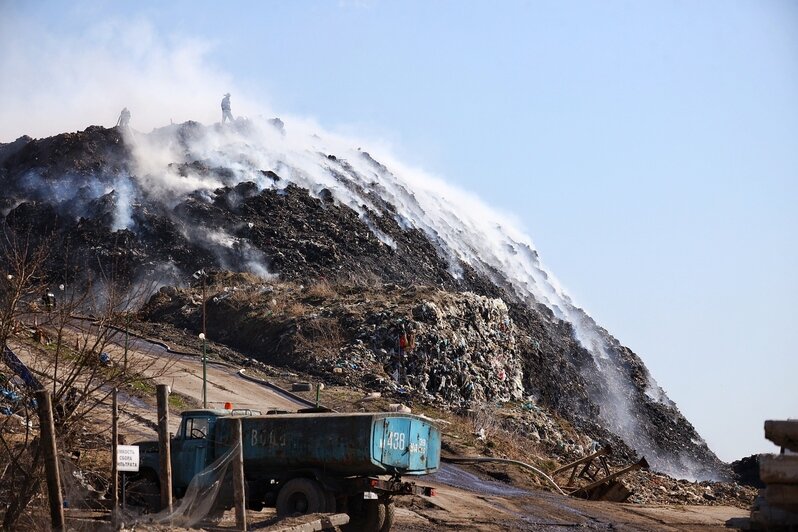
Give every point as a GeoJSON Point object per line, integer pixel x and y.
{"type": "Point", "coordinates": [124, 118]}
{"type": "Point", "coordinates": [226, 114]}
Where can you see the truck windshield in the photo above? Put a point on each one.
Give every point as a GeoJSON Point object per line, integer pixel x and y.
{"type": "Point", "coordinates": [196, 428]}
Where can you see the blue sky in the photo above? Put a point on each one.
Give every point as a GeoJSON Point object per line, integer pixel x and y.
{"type": "Point", "coordinates": [649, 148]}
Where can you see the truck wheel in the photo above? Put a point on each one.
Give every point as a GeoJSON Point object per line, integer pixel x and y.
{"type": "Point", "coordinates": [365, 515]}
{"type": "Point", "coordinates": [301, 495]}
{"type": "Point", "coordinates": [390, 514]}
{"type": "Point", "coordinates": [332, 503]}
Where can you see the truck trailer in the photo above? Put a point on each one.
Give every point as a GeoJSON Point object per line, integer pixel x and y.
{"type": "Point", "coordinates": [303, 462]}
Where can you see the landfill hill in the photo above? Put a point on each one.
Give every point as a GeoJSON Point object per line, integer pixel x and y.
{"type": "Point", "coordinates": [351, 273]}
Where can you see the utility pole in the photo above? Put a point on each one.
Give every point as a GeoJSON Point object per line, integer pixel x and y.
{"type": "Point", "coordinates": [204, 350]}
{"type": "Point", "coordinates": [114, 452]}
{"type": "Point", "coordinates": [203, 336]}
{"type": "Point", "coordinates": [47, 428]}
{"type": "Point", "coordinates": [164, 450]}
{"type": "Point", "coordinates": [127, 326]}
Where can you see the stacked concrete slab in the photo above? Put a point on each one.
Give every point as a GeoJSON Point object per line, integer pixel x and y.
{"type": "Point", "coordinates": [777, 505]}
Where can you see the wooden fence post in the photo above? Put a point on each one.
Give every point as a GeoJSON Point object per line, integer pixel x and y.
{"type": "Point", "coordinates": [114, 450]}
{"type": "Point", "coordinates": [164, 449]}
{"type": "Point", "coordinates": [47, 429]}
{"type": "Point", "coordinates": [239, 486]}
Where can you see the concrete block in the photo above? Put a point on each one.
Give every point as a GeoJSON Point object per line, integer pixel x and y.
{"type": "Point", "coordinates": [783, 433]}
{"type": "Point", "coordinates": [778, 469]}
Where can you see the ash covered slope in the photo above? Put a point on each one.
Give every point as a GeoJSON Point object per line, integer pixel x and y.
{"type": "Point", "coordinates": [302, 204]}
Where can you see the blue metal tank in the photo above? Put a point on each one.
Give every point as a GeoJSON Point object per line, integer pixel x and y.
{"type": "Point", "coordinates": [359, 444]}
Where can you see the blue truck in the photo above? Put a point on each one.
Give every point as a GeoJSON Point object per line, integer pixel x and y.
{"type": "Point", "coordinates": [304, 462]}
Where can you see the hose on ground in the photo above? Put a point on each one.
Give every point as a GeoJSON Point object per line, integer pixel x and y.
{"type": "Point", "coordinates": [475, 459]}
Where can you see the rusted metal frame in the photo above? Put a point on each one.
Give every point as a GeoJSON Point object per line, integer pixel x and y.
{"type": "Point", "coordinates": [601, 452]}
{"type": "Point", "coordinates": [641, 464]}
{"type": "Point", "coordinates": [585, 472]}
{"type": "Point", "coordinates": [606, 467]}
{"type": "Point", "coordinates": [394, 487]}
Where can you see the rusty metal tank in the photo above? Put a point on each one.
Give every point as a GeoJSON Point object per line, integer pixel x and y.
{"type": "Point", "coordinates": [355, 444]}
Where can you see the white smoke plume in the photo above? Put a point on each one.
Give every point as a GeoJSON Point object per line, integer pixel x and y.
{"type": "Point", "coordinates": [51, 84]}
{"type": "Point", "coordinates": [126, 64]}
{"type": "Point", "coordinates": [461, 227]}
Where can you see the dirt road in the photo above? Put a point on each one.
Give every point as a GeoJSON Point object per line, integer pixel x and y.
{"type": "Point", "coordinates": [492, 506]}
{"type": "Point", "coordinates": [475, 504]}
{"type": "Point", "coordinates": [464, 500]}
{"type": "Point", "coordinates": [183, 373]}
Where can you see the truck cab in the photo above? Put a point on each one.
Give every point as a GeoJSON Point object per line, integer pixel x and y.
{"type": "Point", "coordinates": [192, 449]}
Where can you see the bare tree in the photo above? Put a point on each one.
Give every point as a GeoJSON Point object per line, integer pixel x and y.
{"type": "Point", "coordinates": [72, 330]}
{"type": "Point", "coordinates": [21, 460]}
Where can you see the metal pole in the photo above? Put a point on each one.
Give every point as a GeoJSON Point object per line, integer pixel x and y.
{"type": "Point", "coordinates": [127, 326]}
{"type": "Point", "coordinates": [47, 428]}
{"type": "Point", "coordinates": [204, 350]}
{"type": "Point", "coordinates": [164, 450]}
{"type": "Point", "coordinates": [204, 373]}
{"type": "Point", "coordinates": [239, 486]}
{"type": "Point", "coordinates": [114, 451]}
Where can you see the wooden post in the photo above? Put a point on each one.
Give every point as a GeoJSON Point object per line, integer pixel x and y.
{"type": "Point", "coordinates": [47, 428]}
{"type": "Point", "coordinates": [164, 449]}
{"type": "Point", "coordinates": [239, 486]}
{"type": "Point", "coordinates": [114, 450]}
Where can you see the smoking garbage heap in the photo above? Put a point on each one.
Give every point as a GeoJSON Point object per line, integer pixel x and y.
{"type": "Point", "coordinates": [299, 207]}
{"type": "Point", "coordinates": [453, 350]}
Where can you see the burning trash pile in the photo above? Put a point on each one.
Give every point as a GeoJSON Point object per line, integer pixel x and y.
{"type": "Point", "coordinates": [455, 352]}
{"type": "Point", "coordinates": [290, 202]}
{"type": "Point", "coordinates": [445, 348]}
{"type": "Point", "coordinates": [655, 488]}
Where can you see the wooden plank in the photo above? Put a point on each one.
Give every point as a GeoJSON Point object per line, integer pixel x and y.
{"type": "Point", "coordinates": [778, 469]}
{"type": "Point", "coordinates": [783, 496]}
{"type": "Point", "coordinates": [783, 433]}
{"type": "Point", "coordinates": [312, 524]}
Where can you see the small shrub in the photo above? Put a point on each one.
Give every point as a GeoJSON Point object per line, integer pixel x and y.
{"type": "Point", "coordinates": [320, 290]}
{"type": "Point", "coordinates": [322, 336]}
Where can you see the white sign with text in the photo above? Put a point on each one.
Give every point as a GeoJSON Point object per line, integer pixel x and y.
{"type": "Point", "coordinates": [127, 457]}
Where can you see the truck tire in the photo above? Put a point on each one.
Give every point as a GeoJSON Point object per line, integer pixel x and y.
{"type": "Point", "coordinates": [390, 514]}
{"type": "Point", "coordinates": [302, 496]}
{"type": "Point", "coordinates": [365, 515]}
{"type": "Point", "coordinates": [332, 503]}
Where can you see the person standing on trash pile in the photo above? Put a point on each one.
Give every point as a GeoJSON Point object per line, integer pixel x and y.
{"type": "Point", "coordinates": [226, 114]}
{"type": "Point", "coordinates": [124, 118]}
{"type": "Point", "coordinates": [48, 298]}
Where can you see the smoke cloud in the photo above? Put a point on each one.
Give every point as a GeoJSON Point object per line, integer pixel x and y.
{"type": "Point", "coordinates": [126, 64]}
{"type": "Point", "coordinates": [51, 84]}
{"type": "Point", "coordinates": [463, 229]}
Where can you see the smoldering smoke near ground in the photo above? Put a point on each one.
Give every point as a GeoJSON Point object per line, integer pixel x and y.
{"type": "Point", "coordinates": [462, 228]}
